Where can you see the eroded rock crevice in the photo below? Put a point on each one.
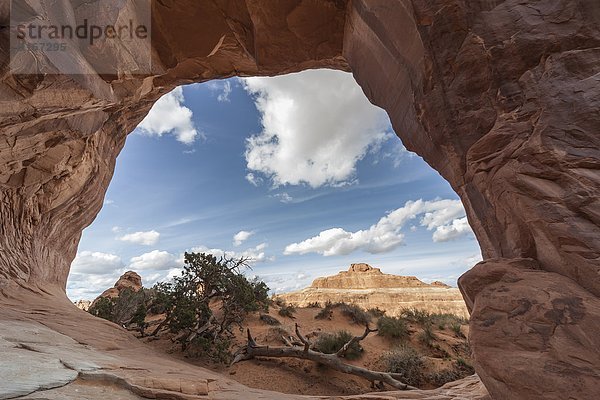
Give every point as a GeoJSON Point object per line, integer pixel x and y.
{"type": "Point", "coordinates": [500, 97]}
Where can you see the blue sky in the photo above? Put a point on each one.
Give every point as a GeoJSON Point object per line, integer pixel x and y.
{"type": "Point", "coordinates": [300, 173]}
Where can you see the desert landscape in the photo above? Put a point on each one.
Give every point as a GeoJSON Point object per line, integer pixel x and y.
{"type": "Point", "coordinates": [426, 347]}
{"type": "Point", "coordinates": [500, 98]}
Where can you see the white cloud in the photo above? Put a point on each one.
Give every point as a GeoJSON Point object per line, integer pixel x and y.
{"type": "Point", "coordinates": [284, 197]}
{"type": "Point", "coordinates": [88, 262]}
{"type": "Point", "coordinates": [316, 126]}
{"type": "Point", "coordinates": [89, 286]}
{"type": "Point", "coordinates": [155, 260]}
{"type": "Point", "coordinates": [241, 237]}
{"type": "Point", "coordinates": [169, 115]}
{"type": "Point", "coordinates": [456, 229]}
{"type": "Point", "coordinates": [147, 238]}
{"type": "Point", "coordinates": [116, 229]}
{"type": "Point", "coordinates": [445, 217]}
{"type": "Point", "coordinates": [253, 179]}
{"type": "Point", "coordinates": [254, 254]}
{"type": "Point", "coordinates": [224, 95]}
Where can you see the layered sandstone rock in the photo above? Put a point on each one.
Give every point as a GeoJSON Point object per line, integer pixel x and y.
{"type": "Point", "coordinates": [500, 96]}
{"type": "Point", "coordinates": [368, 287]}
{"type": "Point", "coordinates": [83, 304]}
{"type": "Point", "coordinates": [129, 280]}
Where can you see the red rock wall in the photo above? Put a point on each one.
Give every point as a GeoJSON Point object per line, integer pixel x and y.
{"type": "Point", "coordinates": [501, 97]}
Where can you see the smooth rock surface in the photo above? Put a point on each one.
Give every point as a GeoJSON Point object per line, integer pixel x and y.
{"type": "Point", "coordinates": [83, 357]}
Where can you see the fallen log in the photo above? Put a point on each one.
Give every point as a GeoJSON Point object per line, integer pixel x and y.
{"type": "Point", "coordinates": [333, 361]}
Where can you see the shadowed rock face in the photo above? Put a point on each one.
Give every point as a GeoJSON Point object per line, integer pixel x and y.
{"type": "Point", "coordinates": [500, 97]}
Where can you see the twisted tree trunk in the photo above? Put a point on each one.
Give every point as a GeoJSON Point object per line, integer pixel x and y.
{"type": "Point", "coordinates": [333, 361]}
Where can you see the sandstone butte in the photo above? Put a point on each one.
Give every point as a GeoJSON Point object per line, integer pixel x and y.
{"type": "Point", "coordinates": [368, 287]}
{"type": "Point", "coordinates": [501, 97]}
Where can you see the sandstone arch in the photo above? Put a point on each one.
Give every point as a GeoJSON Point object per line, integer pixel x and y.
{"type": "Point", "coordinates": [502, 97]}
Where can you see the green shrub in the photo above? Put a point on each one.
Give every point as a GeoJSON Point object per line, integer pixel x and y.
{"type": "Point", "coordinates": [441, 377]}
{"type": "Point", "coordinates": [417, 316]}
{"type": "Point", "coordinates": [456, 328]}
{"type": "Point", "coordinates": [459, 370]}
{"type": "Point", "coordinates": [427, 336]}
{"type": "Point", "coordinates": [392, 328]}
{"type": "Point", "coordinates": [126, 309]}
{"type": "Point", "coordinates": [267, 319]}
{"type": "Point", "coordinates": [325, 313]}
{"type": "Point", "coordinates": [356, 314]}
{"type": "Point", "coordinates": [376, 312]}
{"type": "Point", "coordinates": [313, 304]}
{"type": "Point", "coordinates": [463, 365]}
{"type": "Point", "coordinates": [446, 319]}
{"type": "Point", "coordinates": [287, 311]}
{"type": "Point", "coordinates": [211, 293]}
{"type": "Point", "coordinates": [216, 350]}
{"type": "Point", "coordinates": [407, 362]}
{"type": "Point", "coordinates": [331, 343]}
{"type": "Point", "coordinates": [103, 308]}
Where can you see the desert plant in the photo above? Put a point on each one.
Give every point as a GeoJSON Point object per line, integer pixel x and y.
{"type": "Point", "coordinates": [267, 319]}
{"type": "Point", "coordinates": [325, 313]}
{"type": "Point", "coordinates": [314, 304]}
{"type": "Point", "coordinates": [462, 364]}
{"type": "Point", "coordinates": [392, 328]}
{"type": "Point", "coordinates": [456, 328]}
{"type": "Point", "coordinates": [356, 314]}
{"type": "Point", "coordinates": [427, 336]}
{"type": "Point", "coordinates": [330, 343]}
{"type": "Point", "coordinates": [441, 377]}
{"type": "Point", "coordinates": [206, 301]}
{"type": "Point", "coordinates": [127, 309]}
{"type": "Point", "coordinates": [287, 311]}
{"type": "Point", "coordinates": [459, 370]}
{"type": "Point", "coordinates": [103, 308]}
{"type": "Point", "coordinates": [376, 312]}
{"type": "Point", "coordinates": [407, 362]}
{"type": "Point", "coordinates": [417, 316]}
{"type": "Point", "coordinates": [444, 319]}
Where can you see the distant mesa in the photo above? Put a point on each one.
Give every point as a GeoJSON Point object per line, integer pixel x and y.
{"type": "Point", "coordinates": [83, 304]}
{"type": "Point", "coordinates": [368, 287]}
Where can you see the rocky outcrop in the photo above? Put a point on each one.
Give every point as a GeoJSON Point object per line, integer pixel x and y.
{"type": "Point", "coordinates": [129, 280]}
{"type": "Point", "coordinates": [500, 96]}
{"type": "Point", "coordinates": [83, 304]}
{"type": "Point", "coordinates": [363, 276]}
{"type": "Point", "coordinates": [368, 287]}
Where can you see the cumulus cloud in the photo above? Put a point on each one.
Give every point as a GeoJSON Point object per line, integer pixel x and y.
{"type": "Point", "coordinates": [92, 272]}
{"type": "Point", "coordinates": [316, 126]}
{"type": "Point", "coordinates": [286, 281]}
{"type": "Point", "coordinates": [241, 237]}
{"type": "Point", "coordinates": [458, 228]}
{"type": "Point", "coordinates": [169, 115]}
{"type": "Point", "coordinates": [254, 254]}
{"type": "Point", "coordinates": [155, 260]}
{"type": "Point", "coordinates": [147, 238]}
{"type": "Point", "coordinates": [444, 217]}
{"type": "Point", "coordinates": [89, 262]}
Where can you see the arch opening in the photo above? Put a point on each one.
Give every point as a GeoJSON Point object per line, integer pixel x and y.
{"type": "Point", "coordinates": [388, 208]}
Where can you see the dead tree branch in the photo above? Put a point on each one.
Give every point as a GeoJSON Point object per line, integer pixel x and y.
{"type": "Point", "coordinates": [333, 361]}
